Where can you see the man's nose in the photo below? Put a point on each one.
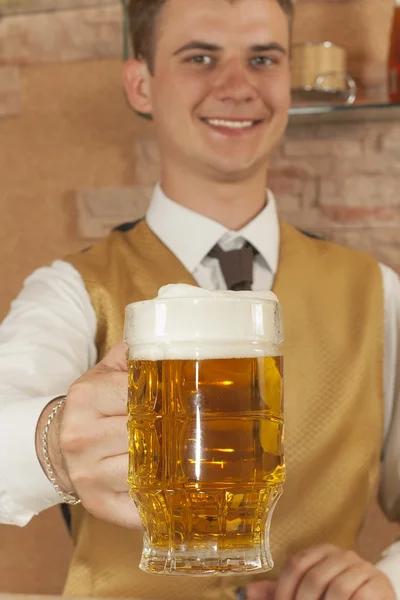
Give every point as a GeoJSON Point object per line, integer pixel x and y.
{"type": "Point", "coordinates": [233, 82]}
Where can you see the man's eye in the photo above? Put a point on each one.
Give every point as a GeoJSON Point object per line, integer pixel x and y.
{"type": "Point", "coordinates": [262, 61]}
{"type": "Point", "coordinates": [200, 59]}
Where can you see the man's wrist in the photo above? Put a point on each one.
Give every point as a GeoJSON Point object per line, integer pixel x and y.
{"type": "Point", "coordinates": [53, 445]}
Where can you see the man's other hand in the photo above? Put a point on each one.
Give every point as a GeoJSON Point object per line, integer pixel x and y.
{"type": "Point", "coordinates": [325, 573]}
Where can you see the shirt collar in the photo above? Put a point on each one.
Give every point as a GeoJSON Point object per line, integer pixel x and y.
{"type": "Point", "coordinates": [190, 236]}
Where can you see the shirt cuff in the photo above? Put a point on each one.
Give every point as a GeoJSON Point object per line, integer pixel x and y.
{"type": "Point", "coordinates": [24, 495]}
{"type": "Point", "coordinates": [390, 565]}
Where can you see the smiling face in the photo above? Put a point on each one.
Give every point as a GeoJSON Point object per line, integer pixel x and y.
{"type": "Point", "coordinates": [220, 91]}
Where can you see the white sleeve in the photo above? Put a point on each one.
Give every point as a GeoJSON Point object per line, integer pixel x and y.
{"type": "Point", "coordinates": [389, 564]}
{"type": "Point", "coordinates": [390, 480]}
{"type": "Point", "coordinates": [46, 343]}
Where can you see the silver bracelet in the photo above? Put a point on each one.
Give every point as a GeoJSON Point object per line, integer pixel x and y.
{"type": "Point", "coordinates": [67, 497]}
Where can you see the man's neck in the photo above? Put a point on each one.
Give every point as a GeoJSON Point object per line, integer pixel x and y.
{"type": "Point", "coordinates": [233, 204]}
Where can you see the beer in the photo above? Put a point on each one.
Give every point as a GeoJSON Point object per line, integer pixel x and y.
{"type": "Point", "coordinates": [206, 463]}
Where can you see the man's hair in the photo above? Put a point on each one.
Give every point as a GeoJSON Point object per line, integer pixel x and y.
{"type": "Point", "coordinates": [142, 16]}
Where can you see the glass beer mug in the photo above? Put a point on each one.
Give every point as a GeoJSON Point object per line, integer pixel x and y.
{"type": "Point", "coordinates": [206, 461]}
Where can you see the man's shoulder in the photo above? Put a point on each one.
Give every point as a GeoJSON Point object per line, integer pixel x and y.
{"type": "Point", "coordinates": [103, 246]}
{"type": "Point", "coordinates": [325, 245]}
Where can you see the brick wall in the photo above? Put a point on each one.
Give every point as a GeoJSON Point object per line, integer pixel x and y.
{"type": "Point", "coordinates": [71, 34]}
{"type": "Point", "coordinates": [342, 181]}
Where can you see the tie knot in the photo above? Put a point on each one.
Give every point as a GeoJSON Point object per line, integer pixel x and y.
{"type": "Point", "coordinates": [236, 266]}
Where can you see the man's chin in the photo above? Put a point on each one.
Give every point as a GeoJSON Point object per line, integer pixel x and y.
{"type": "Point", "coordinates": [233, 173]}
{"type": "Point", "coordinates": [236, 169]}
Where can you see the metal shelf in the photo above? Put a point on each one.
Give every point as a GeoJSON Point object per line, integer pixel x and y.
{"type": "Point", "coordinates": [326, 113]}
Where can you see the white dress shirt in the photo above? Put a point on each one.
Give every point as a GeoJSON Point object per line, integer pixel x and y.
{"type": "Point", "coordinates": [47, 341]}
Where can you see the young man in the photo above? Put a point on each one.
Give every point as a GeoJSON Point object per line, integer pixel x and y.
{"type": "Point", "coordinates": [215, 76]}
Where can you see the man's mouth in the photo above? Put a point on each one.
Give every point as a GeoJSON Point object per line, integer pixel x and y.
{"type": "Point", "coordinates": [231, 124]}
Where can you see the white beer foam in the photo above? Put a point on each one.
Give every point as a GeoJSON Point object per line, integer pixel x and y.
{"type": "Point", "coordinates": [187, 322]}
{"type": "Point", "coordinates": [182, 290]}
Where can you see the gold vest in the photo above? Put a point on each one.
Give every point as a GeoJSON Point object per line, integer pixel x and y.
{"type": "Point", "coordinates": [332, 301]}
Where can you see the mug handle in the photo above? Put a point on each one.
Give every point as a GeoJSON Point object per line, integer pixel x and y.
{"type": "Point", "coordinates": [351, 84]}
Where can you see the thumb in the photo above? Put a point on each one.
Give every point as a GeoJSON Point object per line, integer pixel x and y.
{"type": "Point", "coordinates": [116, 358]}
{"type": "Point", "coordinates": [262, 590]}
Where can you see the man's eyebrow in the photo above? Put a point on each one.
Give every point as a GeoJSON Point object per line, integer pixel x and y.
{"type": "Point", "coordinates": [208, 47]}
{"type": "Point", "coordinates": [268, 47]}
{"type": "Point", "coordinates": [198, 45]}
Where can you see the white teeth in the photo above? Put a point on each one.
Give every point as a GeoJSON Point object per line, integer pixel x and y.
{"type": "Point", "coordinates": [230, 124]}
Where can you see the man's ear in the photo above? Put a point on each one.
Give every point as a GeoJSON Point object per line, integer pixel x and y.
{"type": "Point", "coordinates": [136, 78]}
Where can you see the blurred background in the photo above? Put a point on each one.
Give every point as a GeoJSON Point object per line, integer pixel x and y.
{"type": "Point", "coordinates": [76, 161]}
